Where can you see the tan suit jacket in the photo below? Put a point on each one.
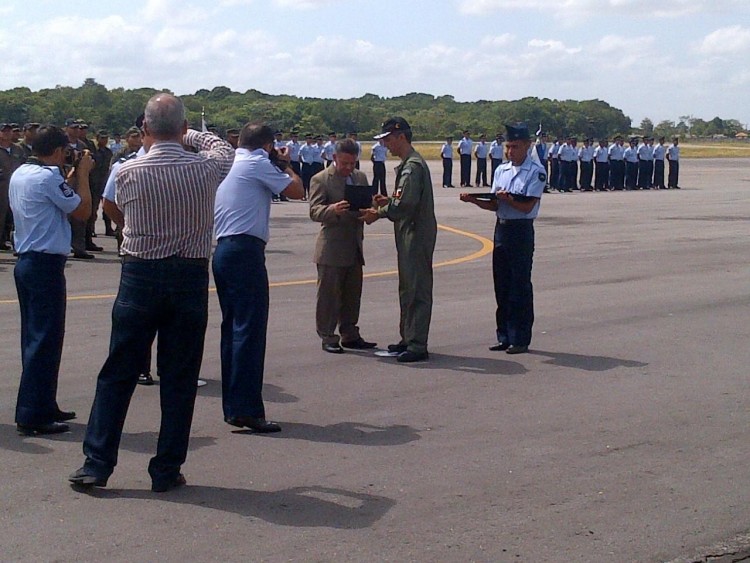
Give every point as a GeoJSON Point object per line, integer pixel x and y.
{"type": "Point", "coordinates": [339, 242]}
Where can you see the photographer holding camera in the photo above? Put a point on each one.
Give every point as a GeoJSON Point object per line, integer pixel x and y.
{"type": "Point", "coordinates": [75, 150]}
{"type": "Point", "coordinates": [42, 201]}
{"type": "Point", "coordinates": [242, 211]}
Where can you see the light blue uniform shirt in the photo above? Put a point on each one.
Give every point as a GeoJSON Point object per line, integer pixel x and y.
{"type": "Point", "coordinates": [645, 152]}
{"type": "Point", "coordinates": [659, 152]}
{"type": "Point", "coordinates": [446, 151]}
{"type": "Point", "coordinates": [496, 150]}
{"type": "Point", "coordinates": [293, 147]}
{"type": "Point", "coordinates": [616, 152]}
{"type": "Point", "coordinates": [307, 153]}
{"type": "Point", "coordinates": [110, 187]}
{"type": "Point", "coordinates": [674, 152]}
{"type": "Point", "coordinates": [379, 152]}
{"type": "Point", "coordinates": [243, 199]}
{"type": "Point", "coordinates": [41, 200]}
{"type": "Point", "coordinates": [481, 149]}
{"type": "Point", "coordinates": [318, 156]}
{"type": "Point", "coordinates": [328, 149]}
{"type": "Point", "coordinates": [528, 179]}
{"type": "Point", "coordinates": [465, 145]}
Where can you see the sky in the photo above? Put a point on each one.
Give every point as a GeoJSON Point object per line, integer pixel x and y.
{"type": "Point", "coordinates": [658, 59]}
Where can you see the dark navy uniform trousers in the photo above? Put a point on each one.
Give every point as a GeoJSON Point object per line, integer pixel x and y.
{"type": "Point", "coordinates": [511, 272]}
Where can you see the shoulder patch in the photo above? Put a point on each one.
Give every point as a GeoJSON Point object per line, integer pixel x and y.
{"type": "Point", "coordinates": [66, 190]}
{"type": "Point", "coordinates": [542, 177]}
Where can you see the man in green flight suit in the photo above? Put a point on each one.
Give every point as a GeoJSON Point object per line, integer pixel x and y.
{"type": "Point", "coordinates": [412, 210]}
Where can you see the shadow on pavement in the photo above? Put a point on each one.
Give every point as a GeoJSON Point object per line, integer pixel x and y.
{"type": "Point", "coordinates": [271, 393]}
{"type": "Point", "coordinates": [467, 364]}
{"type": "Point", "coordinates": [586, 363]}
{"type": "Point", "coordinates": [12, 441]}
{"type": "Point", "coordinates": [298, 506]}
{"type": "Point", "coordinates": [352, 433]}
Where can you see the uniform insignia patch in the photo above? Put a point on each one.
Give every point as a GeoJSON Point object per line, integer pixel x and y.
{"type": "Point", "coordinates": [66, 190]}
{"type": "Point", "coordinates": [542, 177]}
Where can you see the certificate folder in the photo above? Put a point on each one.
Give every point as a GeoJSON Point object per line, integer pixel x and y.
{"type": "Point", "coordinates": [359, 197]}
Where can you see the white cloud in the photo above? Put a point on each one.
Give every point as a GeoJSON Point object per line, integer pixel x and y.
{"type": "Point", "coordinates": [498, 40]}
{"type": "Point", "coordinates": [726, 41]}
{"type": "Point", "coordinates": [303, 4]}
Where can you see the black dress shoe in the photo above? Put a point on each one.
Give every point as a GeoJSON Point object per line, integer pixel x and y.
{"type": "Point", "coordinates": [499, 347]}
{"type": "Point", "coordinates": [512, 349]}
{"type": "Point", "coordinates": [93, 247]}
{"type": "Point", "coordinates": [397, 348]}
{"type": "Point", "coordinates": [332, 348]}
{"type": "Point", "coordinates": [259, 425]}
{"type": "Point", "coordinates": [145, 379]}
{"type": "Point", "coordinates": [40, 429]}
{"type": "Point", "coordinates": [83, 255]}
{"type": "Point", "coordinates": [109, 233]}
{"type": "Point", "coordinates": [408, 357]}
{"type": "Point", "coordinates": [63, 416]}
{"type": "Point", "coordinates": [359, 344]}
{"type": "Point", "coordinates": [169, 484]}
{"type": "Point", "coordinates": [84, 480]}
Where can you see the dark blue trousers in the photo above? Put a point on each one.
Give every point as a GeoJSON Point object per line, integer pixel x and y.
{"type": "Point", "coordinates": [40, 283]}
{"type": "Point", "coordinates": [466, 170]}
{"type": "Point", "coordinates": [169, 296]}
{"type": "Point", "coordinates": [447, 171]}
{"type": "Point", "coordinates": [378, 177]}
{"type": "Point", "coordinates": [511, 272]}
{"type": "Point", "coordinates": [241, 279]}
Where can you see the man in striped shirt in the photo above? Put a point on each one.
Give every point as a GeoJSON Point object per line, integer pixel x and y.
{"type": "Point", "coordinates": [166, 197]}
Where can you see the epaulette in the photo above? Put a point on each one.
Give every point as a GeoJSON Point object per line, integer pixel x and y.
{"type": "Point", "coordinates": [127, 157]}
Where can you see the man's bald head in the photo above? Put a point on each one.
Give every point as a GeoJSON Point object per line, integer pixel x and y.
{"type": "Point", "coordinates": [165, 117]}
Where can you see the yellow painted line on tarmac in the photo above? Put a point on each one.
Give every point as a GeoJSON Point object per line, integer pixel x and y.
{"type": "Point", "coordinates": [486, 248]}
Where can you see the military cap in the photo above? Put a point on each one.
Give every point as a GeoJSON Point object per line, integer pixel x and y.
{"type": "Point", "coordinates": [332, 134]}
{"type": "Point", "coordinates": [278, 132]}
{"type": "Point", "coordinates": [132, 131]}
{"type": "Point", "coordinates": [393, 125]}
{"type": "Point", "coordinates": [102, 133]}
{"type": "Point", "coordinates": [318, 137]}
{"type": "Point", "coordinates": [308, 136]}
{"type": "Point", "coordinates": [15, 126]}
{"type": "Point", "coordinates": [233, 132]}
{"type": "Point", "coordinates": [517, 132]}
{"type": "Point", "coordinates": [294, 133]}
{"type": "Point", "coordinates": [28, 126]}
{"type": "Point", "coordinates": [70, 122]}
{"type": "Point", "coordinates": [82, 124]}
{"type": "Point", "coordinates": [4, 126]}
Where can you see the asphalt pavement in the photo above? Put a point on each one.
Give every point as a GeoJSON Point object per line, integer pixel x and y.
{"type": "Point", "coordinates": [622, 436]}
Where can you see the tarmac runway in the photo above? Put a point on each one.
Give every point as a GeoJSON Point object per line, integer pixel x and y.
{"type": "Point", "coordinates": [623, 436]}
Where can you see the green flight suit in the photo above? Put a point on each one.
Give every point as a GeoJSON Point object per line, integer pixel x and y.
{"type": "Point", "coordinates": [412, 211]}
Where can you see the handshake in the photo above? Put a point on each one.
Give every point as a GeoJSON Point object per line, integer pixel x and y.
{"type": "Point", "coordinates": [370, 215]}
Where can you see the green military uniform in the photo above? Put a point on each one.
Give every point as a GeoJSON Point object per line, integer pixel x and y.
{"type": "Point", "coordinates": [412, 210]}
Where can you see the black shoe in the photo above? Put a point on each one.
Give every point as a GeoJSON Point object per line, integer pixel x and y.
{"type": "Point", "coordinates": [83, 255]}
{"type": "Point", "coordinates": [109, 233]}
{"type": "Point", "coordinates": [408, 357]}
{"type": "Point", "coordinates": [259, 425]}
{"type": "Point", "coordinates": [168, 485]}
{"type": "Point", "coordinates": [513, 349]}
{"type": "Point", "coordinates": [41, 429]}
{"type": "Point", "coordinates": [63, 416]}
{"type": "Point", "coordinates": [332, 348]}
{"type": "Point", "coordinates": [6, 247]}
{"type": "Point", "coordinates": [499, 347]}
{"type": "Point", "coordinates": [397, 348]}
{"type": "Point", "coordinates": [83, 480]}
{"type": "Point", "coordinates": [145, 379]}
{"type": "Point", "coordinates": [94, 248]}
{"type": "Point", "coordinates": [359, 344]}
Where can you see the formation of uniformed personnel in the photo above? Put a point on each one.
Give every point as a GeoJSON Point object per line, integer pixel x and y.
{"type": "Point", "coordinates": [517, 188]}
{"type": "Point", "coordinates": [411, 208]}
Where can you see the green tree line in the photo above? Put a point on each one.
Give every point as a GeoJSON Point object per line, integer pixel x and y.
{"type": "Point", "coordinates": [431, 117]}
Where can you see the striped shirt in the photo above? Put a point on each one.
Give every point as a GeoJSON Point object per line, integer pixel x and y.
{"type": "Point", "coordinates": [167, 197]}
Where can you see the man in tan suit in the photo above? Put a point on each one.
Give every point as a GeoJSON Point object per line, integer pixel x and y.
{"type": "Point", "coordinates": [338, 251]}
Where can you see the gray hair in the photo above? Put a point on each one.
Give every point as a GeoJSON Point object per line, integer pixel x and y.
{"type": "Point", "coordinates": [347, 146]}
{"type": "Point", "coordinates": [165, 115]}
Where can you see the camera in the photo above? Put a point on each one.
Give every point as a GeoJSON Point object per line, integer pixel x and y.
{"type": "Point", "coordinates": [273, 156]}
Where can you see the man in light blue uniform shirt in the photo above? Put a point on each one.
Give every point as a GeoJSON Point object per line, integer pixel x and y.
{"type": "Point", "coordinates": [41, 201]}
{"type": "Point", "coordinates": [616, 154]}
{"type": "Point", "coordinates": [378, 157]}
{"type": "Point", "coordinates": [496, 154]}
{"type": "Point", "coordinates": [242, 210]}
{"type": "Point", "coordinates": [465, 146]}
{"type": "Point", "coordinates": [518, 187]}
{"type": "Point", "coordinates": [446, 152]}
{"type": "Point", "coordinates": [673, 156]}
{"type": "Point", "coordinates": [330, 148]}
{"type": "Point", "coordinates": [481, 150]}
{"type": "Point", "coordinates": [293, 147]}
{"type": "Point", "coordinates": [659, 154]}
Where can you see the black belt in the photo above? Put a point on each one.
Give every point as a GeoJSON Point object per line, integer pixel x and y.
{"type": "Point", "coordinates": [514, 221]}
{"type": "Point", "coordinates": [203, 262]}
